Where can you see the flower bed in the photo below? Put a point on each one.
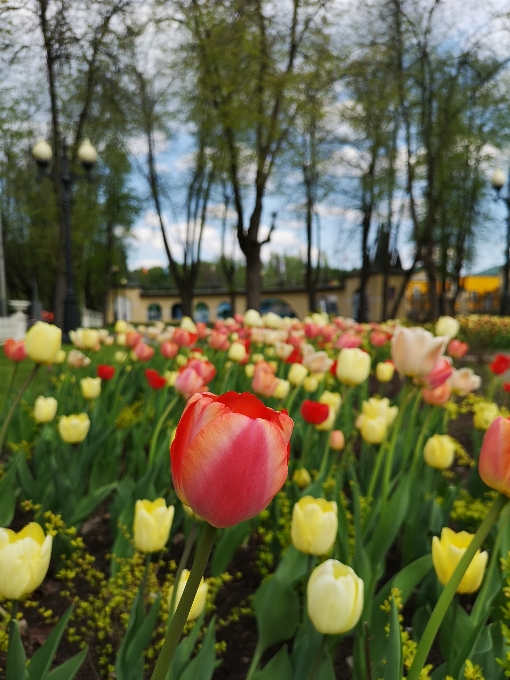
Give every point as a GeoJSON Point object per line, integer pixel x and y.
{"type": "Point", "coordinates": [332, 467]}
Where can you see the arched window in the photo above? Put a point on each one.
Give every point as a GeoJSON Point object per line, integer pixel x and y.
{"type": "Point", "coordinates": [154, 312]}
{"type": "Point", "coordinates": [122, 308]}
{"type": "Point", "coordinates": [202, 312]}
{"type": "Point", "coordinates": [176, 311]}
{"type": "Point", "coordinates": [224, 310]}
{"type": "Point", "coordinates": [277, 306]}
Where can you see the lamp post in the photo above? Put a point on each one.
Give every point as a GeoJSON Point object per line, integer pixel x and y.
{"type": "Point", "coordinates": [498, 181]}
{"type": "Point", "coordinates": [42, 153]}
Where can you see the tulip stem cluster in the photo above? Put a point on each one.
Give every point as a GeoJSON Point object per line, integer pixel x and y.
{"type": "Point", "coordinates": [14, 405]}
{"type": "Point", "coordinates": [185, 603]}
{"type": "Point", "coordinates": [451, 587]}
{"type": "Point", "coordinates": [155, 436]}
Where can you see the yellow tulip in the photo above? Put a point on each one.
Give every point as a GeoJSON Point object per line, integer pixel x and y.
{"type": "Point", "coordinates": [297, 374]}
{"type": "Point", "coordinates": [301, 477]}
{"type": "Point", "coordinates": [45, 409]}
{"type": "Point", "coordinates": [237, 352]}
{"type": "Point", "coordinates": [200, 598]}
{"type": "Point", "coordinates": [120, 357]}
{"type": "Point", "coordinates": [384, 371]}
{"type": "Point", "coordinates": [121, 326]}
{"type": "Point", "coordinates": [153, 521]}
{"type": "Point", "coordinates": [372, 430]}
{"type": "Point", "coordinates": [24, 560]}
{"type": "Point", "coordinates": [257, 357]}
{"type": "Point", "coordinates": [379, 408]}
{"type": "Point", "coordinates": [188, 324]}
{"type": "Point", "coordinates": [252, 318]}
{"type": "Point", "coordinates": [249, 370]}
{"type": "Point", "coordinates": [282, 389]}
{"type": "Point", "coordinates": [329, 422]}
{"type": "Point", "coordinates": [439, 451]}
{"type": "Point", "coordinates": [60, 357]}
{"type": "Point", "coordinates": [43, 342]}
{"type": "Point", "coordinates": [181, 360]}
{"type": "Point", "coordinates": [353, 366]}
{"type": "Point", "coordinates": [314, 525]}
{"type": "Point", "coordinates": [90, 387]}
{"type": "Point", "coordinates": [310, 384]}
{"type": "Point", "coordinates": [90, 338]}
{"type": "Point", "coordinates": [447, 325]}
{"type": "Point", "coordinates": [446, 554]}
{"type": "Point", "coordinates": [332, 399]}
{"type": "Point", "coordinates": [334, 598]}
{"type": "Point", "coordinates": [74, 428]}
{"type": "Point", "coordinates": [171, 377]}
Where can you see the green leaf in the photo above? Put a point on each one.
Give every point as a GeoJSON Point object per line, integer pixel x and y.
{"type": "Point", "coordinates": [8, 496]}
{"type": "Point", "coordinates": [185, 649]}
{"type": "Point", "coordinates": [392, 516]}
{"type": "Point", "coordinates": [293, 565]}
{"type": "Point", "coordinates": [41, 661]}
{"type": "Point", "coordinates": [143, 635]}
{"type": "Point", "coordinates": [393, 667]}
{"type": "Point", "coordinates": [229, 542]}
{"type": "Point", "coordinates": [278, 668]}
{"type": "Point", "coordinates": [202, 666]}
{"type": "Point", "coordinates": [89, 503]}
{"type": "Point", "coordinates": [69, 668]}
{"type": "Point", "coordinates": [16, 657]}
{"type": "Point", "coordinates": [276, 607]}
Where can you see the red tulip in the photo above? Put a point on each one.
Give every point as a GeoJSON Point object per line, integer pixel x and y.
{"type": "Point", "coordinates": [500, 365]}
{"type": "Point", "coordinates": [295, 357]}
{"type": "Point", "coordinates": [457, 349]}
{"type": "Point", "coordinates": [378, 338]}
{"type": "Point", "coordinates": [105, 372]}
{"type": "Point", "coordinates": [314, 412]}
{"type": "Point", "coordinates": [156, 381]}
{"type": "Point", "coordinates": [169, 349]}
{"type": "Point", "coordinates": [230, 456]}
{"type": "Point", "coordinates": [312, 330]}
{"type": "Point", "coordinates": [494, 461]}
{"type": "Point", "coordinates": [506, 386]}
{"type": "Point", "coordinates": [15, 350]}
{"type": "Point", "coordinates": [143, 352]}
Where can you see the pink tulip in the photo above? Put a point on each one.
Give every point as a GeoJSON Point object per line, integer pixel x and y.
{"type": "Point", "coordinates": [457, 349]}
{"type": "Point", "coordinates": [264, 380]}
{"type": "Point", "coordinates": [378, 338]}
{"type": "Point", "coordinates": [438, 396]}
{"type": "Point", "coordinates": [219, 340]}
{"type": "Point", "coordinates": [348, 341]}
{"type": "Point", "coordinates": [143, 352]}
{"type": "Point", "coordinates": [133, 338]}
{"type": "Point", "coordinates": [205, 369]}
{"type": "Point", "coordinates": [169, 349]}
{"type": "Point", "coordinates": [189, 382]}
{"type": "Point", "coordinates": [439, 374]}
{"type": "Point", "coordinates": [494, 461]}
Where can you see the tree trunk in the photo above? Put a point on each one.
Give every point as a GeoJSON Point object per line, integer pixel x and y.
{"type": "Point", "coordinates": [187, 301]}
{"type": "Point", "coordinates": [253, 277]}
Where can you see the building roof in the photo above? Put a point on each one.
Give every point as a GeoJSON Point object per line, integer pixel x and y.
{"type": "Point", "coordinates": [493, 271]}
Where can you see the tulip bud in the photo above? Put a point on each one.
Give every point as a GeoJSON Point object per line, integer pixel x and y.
{"type": "Point", "coordinates": [121, 339]}
{"type": "Point", "coordinates": [337, 440]}
{"type": "Point", "coordinates": [334, 598]}
{"type": "Point", "coordinates": [301, 477]}
{"type": "Point", "coordinates": [257, 357]}
{"type": "Point", "coordinates": [121, 326]}
{"type": "Point", "coordinates": [384, 371]}
{"type": "Point", "coordinates": [90, 387]}
{"type": "Point", "coordinates": [297, 374]}
{"type": "Point", "coordinates": [60, 357]}
{"type": "Point", "coordinates": [120, 357]}
{"type": "Point", "coordinates": [237, 352]}
{"type": "Point", "coordinates": [188, 324]}
{"type": "Point", "coordinates": [189, 511]}
{"type": "Point", "coordinates": [372, 430]}
{"type": "Point", "coordinates": [249, 370]}
{"type": "Point", "coordinates": [153, 521]}
{"type": "Point", "coordinates": [494, 462]}
{"type": "Point", "coordinates": [45, 409]}
{"type": "Point", "coordinates": [73, 429]}
{"type": "Point", "coordinates": [252, 318]}
{"type": "Point", "coordinates": [353, 366]}
{"type": "Point", "coordinates": [43, 342]}
{"type": "Point", "coordinates": [90, 338]}
{"type": "Point", "coordinates": [314, 525]}
{"type": "Point", "coordinates": [446, 554]}
{"type": "Point", "coordinates": [24, 560]}
{"type": "Point", "coordinates": [282, 389]}
{"type": "Point", "coordinates": [171, 377]}
{"type": "Point", "coordinates": [332, 399]}
{"type": "Point", "coordinates": [439, 452]}
{"type": "Point", "coordinates": [200, 598]}
{"type": "Point", "coordinates": [310, 384]}
{"type": "Point", "coordinates": [447, 326]}
{"type": "Point", "coordinates": [181, 360]}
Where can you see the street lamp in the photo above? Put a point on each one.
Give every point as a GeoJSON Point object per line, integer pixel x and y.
{"type": "Point", "coordinates": [498, 181]}
{"type": "Point", "coordinates": [87, 155]}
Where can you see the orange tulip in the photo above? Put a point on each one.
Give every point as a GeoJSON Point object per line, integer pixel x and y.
{"type": "Point", "coordinates": [494, 462]}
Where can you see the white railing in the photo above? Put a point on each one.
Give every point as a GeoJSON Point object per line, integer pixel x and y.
{"type": "Point", "coordinates": [13, 327]}
{"type": "Point", "coordinates": [91, 319]}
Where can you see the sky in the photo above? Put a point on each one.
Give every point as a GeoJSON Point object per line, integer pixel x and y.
{"type": "Point", "coordinates": [339, 218]}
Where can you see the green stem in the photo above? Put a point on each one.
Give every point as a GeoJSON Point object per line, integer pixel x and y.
{"type": "Point", "coordinates": [180, 567]}
{"type": "Point", "coordinates": [306, 445]}
{"type": "Point", "coordinates": [318, 658]}
{"type": "Point", "coordinates": [11, 381]}
{"type": "Point", "coordinates": [183, 608]}
{"type": "Point", "coordinates": [154, 440]}
{"type": "Point", "coordinates": [14, 609]}
{"type": "Point", "coordinates": [226, 377]}
{"type": "Point", "coordinates": [376, 469]}
{"type": "Point", "coordinates": [450, 589]}
{"type": "Point", "coordinates": [14, 405]}
{"type": "Point", "coordinates": [254, 662]}
{"type": "Point", "coordinates": [391, 452]}
{"type": "Point", "coordinates": [291, 398]}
